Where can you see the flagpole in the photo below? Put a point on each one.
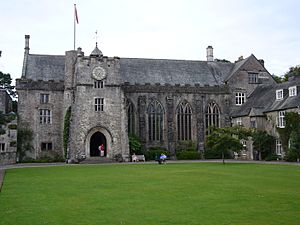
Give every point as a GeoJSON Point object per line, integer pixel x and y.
{"type": "Point", "coordinates": [74, 25]}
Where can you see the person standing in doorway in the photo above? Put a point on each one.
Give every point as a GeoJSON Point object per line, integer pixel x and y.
{"type": "Point", "coordinates": [101, 149]}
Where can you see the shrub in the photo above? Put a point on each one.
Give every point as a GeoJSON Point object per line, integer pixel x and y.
{"type": "Point", "coordinates": [188, 155]}
{"type": "Point", "coordinates": [271, 157]}
{"type": "Point", "coordinates": [135, 144]}
{"type": "Point", "coordinates": [182, 146]}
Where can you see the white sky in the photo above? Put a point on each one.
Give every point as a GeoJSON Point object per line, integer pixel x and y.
{"type": "Point", "coordinates": [173, 29]}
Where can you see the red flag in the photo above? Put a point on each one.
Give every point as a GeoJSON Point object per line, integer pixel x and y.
{"type": "Point", "coordinates": [76, 15]}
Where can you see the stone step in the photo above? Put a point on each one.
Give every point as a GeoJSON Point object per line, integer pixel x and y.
{"type": "Point", "coordinates": [96, 160]}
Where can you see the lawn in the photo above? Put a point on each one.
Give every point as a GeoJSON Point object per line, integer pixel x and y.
{"type": "Point", "coordinates": [138, 194]}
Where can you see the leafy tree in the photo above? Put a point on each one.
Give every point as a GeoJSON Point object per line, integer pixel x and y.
{"type": "Point", "coordinates": [223, 141]}
{"type": "Point", "coordinates": [264, 144]}
{"type": "Point", "coordinates": [292, 71]}
{"type": "Point", "coordinates": [278, 79]}
{"type": "Point", "coordinates": [5, 83]}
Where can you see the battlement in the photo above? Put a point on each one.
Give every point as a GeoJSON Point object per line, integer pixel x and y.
{"type": "Point", "coordinates": [28, 84]}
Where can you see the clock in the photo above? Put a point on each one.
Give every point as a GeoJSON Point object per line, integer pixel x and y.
{"type": "Point", "coordinates": [98, 73]}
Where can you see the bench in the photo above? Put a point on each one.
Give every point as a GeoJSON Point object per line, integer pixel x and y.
{"type": "Point", "coordinates": [137, 158]}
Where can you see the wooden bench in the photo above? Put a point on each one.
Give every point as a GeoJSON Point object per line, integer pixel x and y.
{"type": "Point", "coordinates": [137, 158]}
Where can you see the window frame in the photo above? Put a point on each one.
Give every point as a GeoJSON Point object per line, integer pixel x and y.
{"type": "Point", "coordinates": [46, 146]}
{"type": "Point", "coordinates": [292, 91]}
{"type": "Point", "coordinates": [240, 98]}
{"type": "Point", "coordinates": [155, 121]}
{"type": "Point", "coordinates": [99, 84]}
{"type": "Point", "coordinates": [281, 119]}
{"type": "Point", "coordinates": [279, 148]}
{"type": "Point", "coordinates": [44, 98]}
{"type": "Point", "coordinates": [253, 78]}
{"type": "Point", "coordinates": [184, 115]}
{"type": "Point", "coordinates": [279, 94]}
{"type": "Point", "coordinates": [45, 116]}
{"type": "Point", "coordinates": [99, 104]}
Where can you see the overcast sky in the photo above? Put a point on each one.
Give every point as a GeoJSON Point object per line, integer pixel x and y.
{"type": "Point", "coordinates": [173, 29]}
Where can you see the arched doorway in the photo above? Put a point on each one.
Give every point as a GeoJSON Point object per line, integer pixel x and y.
{"type": "Point", "coordinates": [96, 140]}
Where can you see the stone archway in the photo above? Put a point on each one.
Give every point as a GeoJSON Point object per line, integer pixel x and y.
{"type": "Point", "coordinates": [95, 137]}
{"type": "Point", "coordinates": [96, 140]}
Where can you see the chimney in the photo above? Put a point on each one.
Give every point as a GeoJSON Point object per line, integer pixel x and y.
{"type": "Point", "coordinates": [27, 37]}
{"type": "Point", "coordinates": [209, 54]}
{"type": "Point", "coordinates": [262, 62]}
{"type": "Point", "coordinates": [26, 53]}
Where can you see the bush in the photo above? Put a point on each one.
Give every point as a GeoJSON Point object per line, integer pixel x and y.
{"type": "Point", "coordinates": [188, 155]}
{"type": "Point", "coordinates": [271, 157]}
{"type": "Point", "coordinates": [154, 152]}
{"type": "Point", "coordinates": [135, 144]}
{"type": "Point", "coordinates": [182, 146]}
{"type": "Point", "coordinates": [291, 156]}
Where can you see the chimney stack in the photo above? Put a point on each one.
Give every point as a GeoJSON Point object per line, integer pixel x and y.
{"type": "Point", "coordinates": [209, 54]}
{"type": "Point", "coordinates": [27, 37]}
{"type": "Point", "coordinates": [262, 62]}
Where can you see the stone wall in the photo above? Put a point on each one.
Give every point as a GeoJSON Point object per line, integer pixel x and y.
{"type": "Point", "coordinates": [29, 116]}
{"type": "Point", "coordinates": [170, 97]}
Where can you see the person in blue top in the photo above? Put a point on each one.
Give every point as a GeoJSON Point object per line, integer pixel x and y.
{"type": "Point", "coordinates": [162, 158]}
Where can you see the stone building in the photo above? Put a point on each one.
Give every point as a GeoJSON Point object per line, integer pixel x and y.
{"type": "Point", "coordinates": [162, 101]}
{"type": "Point", "coordinates": [265, 110]}
{"type": "Point", "coordinates": [8, 140]}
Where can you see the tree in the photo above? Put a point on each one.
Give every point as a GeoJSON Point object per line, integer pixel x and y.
{"type": "Point", "coordinates": [222, 142]}
{"type": "Point", "coordinates": [264, 144]}
{"type": "Point", "coordinates": [292, 71]}
{"type": "Point", "coordinates": [5, 83]}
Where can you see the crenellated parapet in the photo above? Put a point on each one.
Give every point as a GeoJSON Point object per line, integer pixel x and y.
{"type": "Point", "coordinates": [50, 85]}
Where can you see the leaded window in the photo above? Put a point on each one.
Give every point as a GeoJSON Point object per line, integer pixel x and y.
{"type": "Point", "coordinates": [46, 146]}
{"type": "Point", "coordinates": [99, 104]}
{"type": "Point", "coordinates": [184, 121]}
{"type": "Point", "coordinates": [131, 118]}
{"type": "Point", "coordinates": [281, 119]}
{"type": "Point", "coordinates": [240, 98]}
{"type": "Point", "coordinates": [212, 116]}
{"type": "Point", "coordinates": [155, 121]}
{"type": "Point", "coordinates": [45, 116]}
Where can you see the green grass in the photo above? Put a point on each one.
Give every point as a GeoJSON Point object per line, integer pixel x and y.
{"type": "Point", "coordinates": [138, 194]}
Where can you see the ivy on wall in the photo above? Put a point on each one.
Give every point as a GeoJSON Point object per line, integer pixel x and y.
{"type": "Point", "coordinates": [291, 134]}
{"type": "Point", "coordinates": [24, 142]}
{"type": "Point", "coordinates": [67, 121]}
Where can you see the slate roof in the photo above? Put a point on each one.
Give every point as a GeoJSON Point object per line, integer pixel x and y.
{"type": "Point", "coordinates": [263, 99]}
{"type": "Point", "coordinates": [45, 67]}
{"type": "Point", "coordinates": [164, 71]}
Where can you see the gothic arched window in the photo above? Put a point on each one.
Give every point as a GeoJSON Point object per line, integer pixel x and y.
{"type": "Point", "coordinates": [155, 121]}
{"type": "Point", "coordinates": [212, 116]}
{"type": "Point", "coordinates": [131, 117]}
{"type": "Point", "coordinates": [184, 121]}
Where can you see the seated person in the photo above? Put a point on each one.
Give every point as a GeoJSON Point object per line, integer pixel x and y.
{"type": "Point", "coordinates": [134, 158]}
{"type": "Point", "coordinates": [162, 158]}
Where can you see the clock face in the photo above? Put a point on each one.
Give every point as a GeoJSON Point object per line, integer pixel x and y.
{"type": "Point", "coordinates": [98, 73]}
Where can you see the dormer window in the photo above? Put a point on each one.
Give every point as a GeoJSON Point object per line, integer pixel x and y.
{"type": "Point", "coordinates": [279, 94]}
{"type": "Point", "coordinates": [292, 91]}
